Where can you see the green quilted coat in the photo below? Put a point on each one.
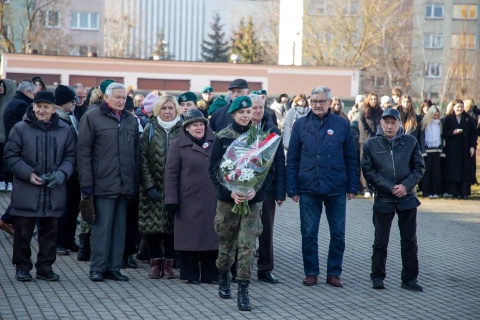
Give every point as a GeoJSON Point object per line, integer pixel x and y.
{"type": "Point", "coordinates": [152, 217]}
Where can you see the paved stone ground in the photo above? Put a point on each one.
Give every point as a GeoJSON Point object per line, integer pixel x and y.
{"type": "Point", "coordinates": [449, 253]}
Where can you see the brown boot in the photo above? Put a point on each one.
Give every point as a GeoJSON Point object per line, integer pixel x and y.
{"type": "Point", "coordinates": [167, 269]}
{"type": "Point", "coordinates": [155, 269]}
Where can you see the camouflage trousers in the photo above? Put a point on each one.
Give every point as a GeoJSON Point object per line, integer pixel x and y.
{"type": "Point", "coordinates": [237, 231]}
{"type": "Point", "coordinates": [85, 227]}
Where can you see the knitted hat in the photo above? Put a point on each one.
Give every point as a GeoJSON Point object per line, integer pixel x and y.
{"type": "Point", "coordinates": [385, 99]}
{"type": "Point", "coordinates": [220, 102]}
{"type": "Point", "coordinates": [241, 102]}
{"type": "Point", "coordinates": [63, 95]}
{"type": "Point", "coordinates": [44, 96]}
{"type": "Point", "coordinates": [129, 104]}
{"type": "Point", "coordinates": [187, 96]}
{"type": "Point", "coordinates": [149, 102]}
{"type": "Point", "coordinates": [359, 98]}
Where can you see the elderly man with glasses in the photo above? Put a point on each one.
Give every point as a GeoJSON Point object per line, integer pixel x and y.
{"type": "Point", "coordinates": [322, 170]}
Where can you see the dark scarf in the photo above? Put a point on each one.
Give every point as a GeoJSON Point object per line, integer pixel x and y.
{"type": "Point", "coordinates": [198, 142]}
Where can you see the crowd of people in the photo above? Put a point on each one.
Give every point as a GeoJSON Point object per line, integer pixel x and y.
{"type": "Point", "coordinates": [143, 171]}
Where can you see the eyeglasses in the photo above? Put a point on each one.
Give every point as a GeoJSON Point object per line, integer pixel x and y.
{"type": "Point", "coordinates": [318, 101]}
{"type": "Point", "coordinates": [82, 97]}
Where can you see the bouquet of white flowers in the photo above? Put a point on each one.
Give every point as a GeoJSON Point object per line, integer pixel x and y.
{"type": "Point", "coordinates": [246, 162]}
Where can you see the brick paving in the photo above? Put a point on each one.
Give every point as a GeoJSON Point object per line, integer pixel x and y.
{"type": "Point", "coordinates": [449, 254]}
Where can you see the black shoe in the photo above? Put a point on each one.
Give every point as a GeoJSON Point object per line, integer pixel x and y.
{"type": "Point", "coordinates": [61, 251]}
{"type": "Point", "coordinates": [72, 247]}
{"type": "Point", "coordinates": [412, 286]}
{"type": "Point", "coordinates": [115, 275]}
{"type": "Point", "coordinates": [378, 284]}
{"type": "Point", "coordinates": [48, 276]}
{"type": "Point", "coordinates": [193, 282]}
{"type": "Point", "coordinates": [23, 275]}
{"type": "Point", "coordinates": [96, 276]}
{"type": "Point", "coordinates": [224, 291]}
{"type": "Point", "coordinates": [129, 262]}
{"type": "Point", "coordinates": [243, 301]}
{"type": "Point", "coordinates": [267, 277]}
{"type": "Point", "coordinates": [143, 256]}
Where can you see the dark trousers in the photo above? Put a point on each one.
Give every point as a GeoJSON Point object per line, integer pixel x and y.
{"type": "Point", "coordinates": [461, 188]}
{"type": "Point", "coordinates": [432, 179]}
{"type": "Point", "coordinates": [407, 223]}
{"type": "Point", "coordinates": [154, 246]}
{"type": "Point", "coordinates": [67, 223]}
{"type": "Point", "coordinates": [47, 243]}
{"type": "Point", "coordinates": [198, 266]}
{"type": "Point", "coordinates": [265, 241]}
{"type": "Point", "coordinates": [131, 237]}
{"type": "Point", "coordinates": [4, 175]}
{"type": "Point", "coordinates": [108, 233]}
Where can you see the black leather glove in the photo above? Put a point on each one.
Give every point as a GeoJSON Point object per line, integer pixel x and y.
{"type": "Point", "coordinates": [171, 207]}
{"type": "Point", "coordinates": [56, 179]}
{"type": "Point", "coordinates": [153, 194]}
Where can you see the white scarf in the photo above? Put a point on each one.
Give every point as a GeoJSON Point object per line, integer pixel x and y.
{"type": "Point", "coordinates": [432, 134]}
{"type": "Point", "coordinates": [167, 126]}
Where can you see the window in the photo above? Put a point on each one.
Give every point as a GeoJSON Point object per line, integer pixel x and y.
{"type": "Point", "coordinates": [433, 41]}
{"type": "Point", "coordinates": [434, 11]}
{"type": "Point", "coordinates": [464, 11]}
{"type": "Point", "coordinates": [433, 70]}
{"type": "Point", "coordinates": [82, 50]}
{"type": "Point", "coordinates": [463, 41]}
{"type": "Point", "coordinates": [50, 19]}
{"type": "Point", "coordinates": [350, 8]}
{"type": "Point", "coordinates": [319, 8]}
{"type": "Point", "coordinates": [461, 71]}
{"type": "Point", "coordinates": [84, 21]}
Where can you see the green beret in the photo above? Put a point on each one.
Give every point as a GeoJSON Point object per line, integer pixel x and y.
{"type": "Point", "coordinates": [240, 103]}
{"type": "Point", "coordinates": [255, 92]}
{"type": "Point", "coordinates": [263, 91]}
{"type": "Point", "coordinates": [105, 84]}
{"type": "Point", "coordinates": [220, 102]}
{"type": "Point", "coordinates": [207, 89]}
{"type": "Point", "coordinates": [187, 96]}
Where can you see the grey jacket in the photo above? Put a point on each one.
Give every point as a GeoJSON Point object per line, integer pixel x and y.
{"type": "Point", "coordinates": [35, 147]}
{"type": "Point", "coordinates": [108, 152]}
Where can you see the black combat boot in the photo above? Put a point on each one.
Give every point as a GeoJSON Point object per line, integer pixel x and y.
{"type": "Point", "coordinates": [243, 301]}
{"type": "Point", "coordinates": [84, 250]}
{"type": "Point", "coordinates": [224, 285]}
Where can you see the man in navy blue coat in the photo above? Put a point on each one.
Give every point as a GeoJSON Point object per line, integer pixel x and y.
{"type": "Point", "coordinates": [322, 170]}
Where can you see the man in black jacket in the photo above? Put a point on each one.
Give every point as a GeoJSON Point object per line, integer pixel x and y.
{"type": "Point", "coordinates": [16, 108]}
{"type": "Point", "coordinates": [393, 165]}
{"type": "Point", "coordinates": [108, 155]}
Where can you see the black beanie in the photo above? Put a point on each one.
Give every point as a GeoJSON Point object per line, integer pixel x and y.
{"type": "Point", "coordinates": [63, 94]}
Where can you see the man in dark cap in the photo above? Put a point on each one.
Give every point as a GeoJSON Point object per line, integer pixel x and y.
{"type": "Point", "coordinates": [25, 150]}
{"type": "Point", "coordinates": [206, 102]}
{"type": "Point", "coordinates": [393, 165]}
{"type": "Point", "coordinates": [221, 118]}
{"type": "Point", "coordinates": [65, 98]}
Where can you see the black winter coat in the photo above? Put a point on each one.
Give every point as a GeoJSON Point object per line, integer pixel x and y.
{"type": "Point", "coordinates": [108, 152]}
{"type": "Point", "coordinates": [457, 147]}
{"type": "Point", "coordinates": [39, 148]}
{"type": "Point", "coordinates": [15, 111]}
{"type": "Point", "coordinates": [386, 163]}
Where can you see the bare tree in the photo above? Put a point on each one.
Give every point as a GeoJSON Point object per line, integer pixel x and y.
{"type": "Point", "coordinates": [118, 33]}
{"type": "Point", "coordinates": [27, 26]}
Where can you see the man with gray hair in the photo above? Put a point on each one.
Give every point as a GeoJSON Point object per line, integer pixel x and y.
{"type": "Point", "coordinates": [323, 170]}
{"type": "Point", "coordinates": [108, 155]}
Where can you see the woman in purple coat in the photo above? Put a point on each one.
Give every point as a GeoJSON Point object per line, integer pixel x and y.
{"type": "Point", "coordinates": [190, 195]}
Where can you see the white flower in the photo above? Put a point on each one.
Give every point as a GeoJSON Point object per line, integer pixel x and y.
{"type": "Point", "coordinates": [246, 175]}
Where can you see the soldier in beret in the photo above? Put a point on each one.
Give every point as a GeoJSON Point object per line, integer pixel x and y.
{"type": "Point", "coordinates": [234, 230]}
{"type": "Point", "coordinates": [206, 102]}
{"type": "Point", "coordinates": [187, 101]}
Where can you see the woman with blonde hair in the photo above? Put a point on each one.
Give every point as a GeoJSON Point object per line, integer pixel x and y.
{"type": "Point", "coordinates": [431, 147]}
{"type": "Point", "coordinates": [155, 223]}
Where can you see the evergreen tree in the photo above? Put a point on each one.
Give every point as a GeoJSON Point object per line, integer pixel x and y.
{"type": "Point", "coordinates": [246, 44]}
{"type": "Point", "coordinates": [215, 50]}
